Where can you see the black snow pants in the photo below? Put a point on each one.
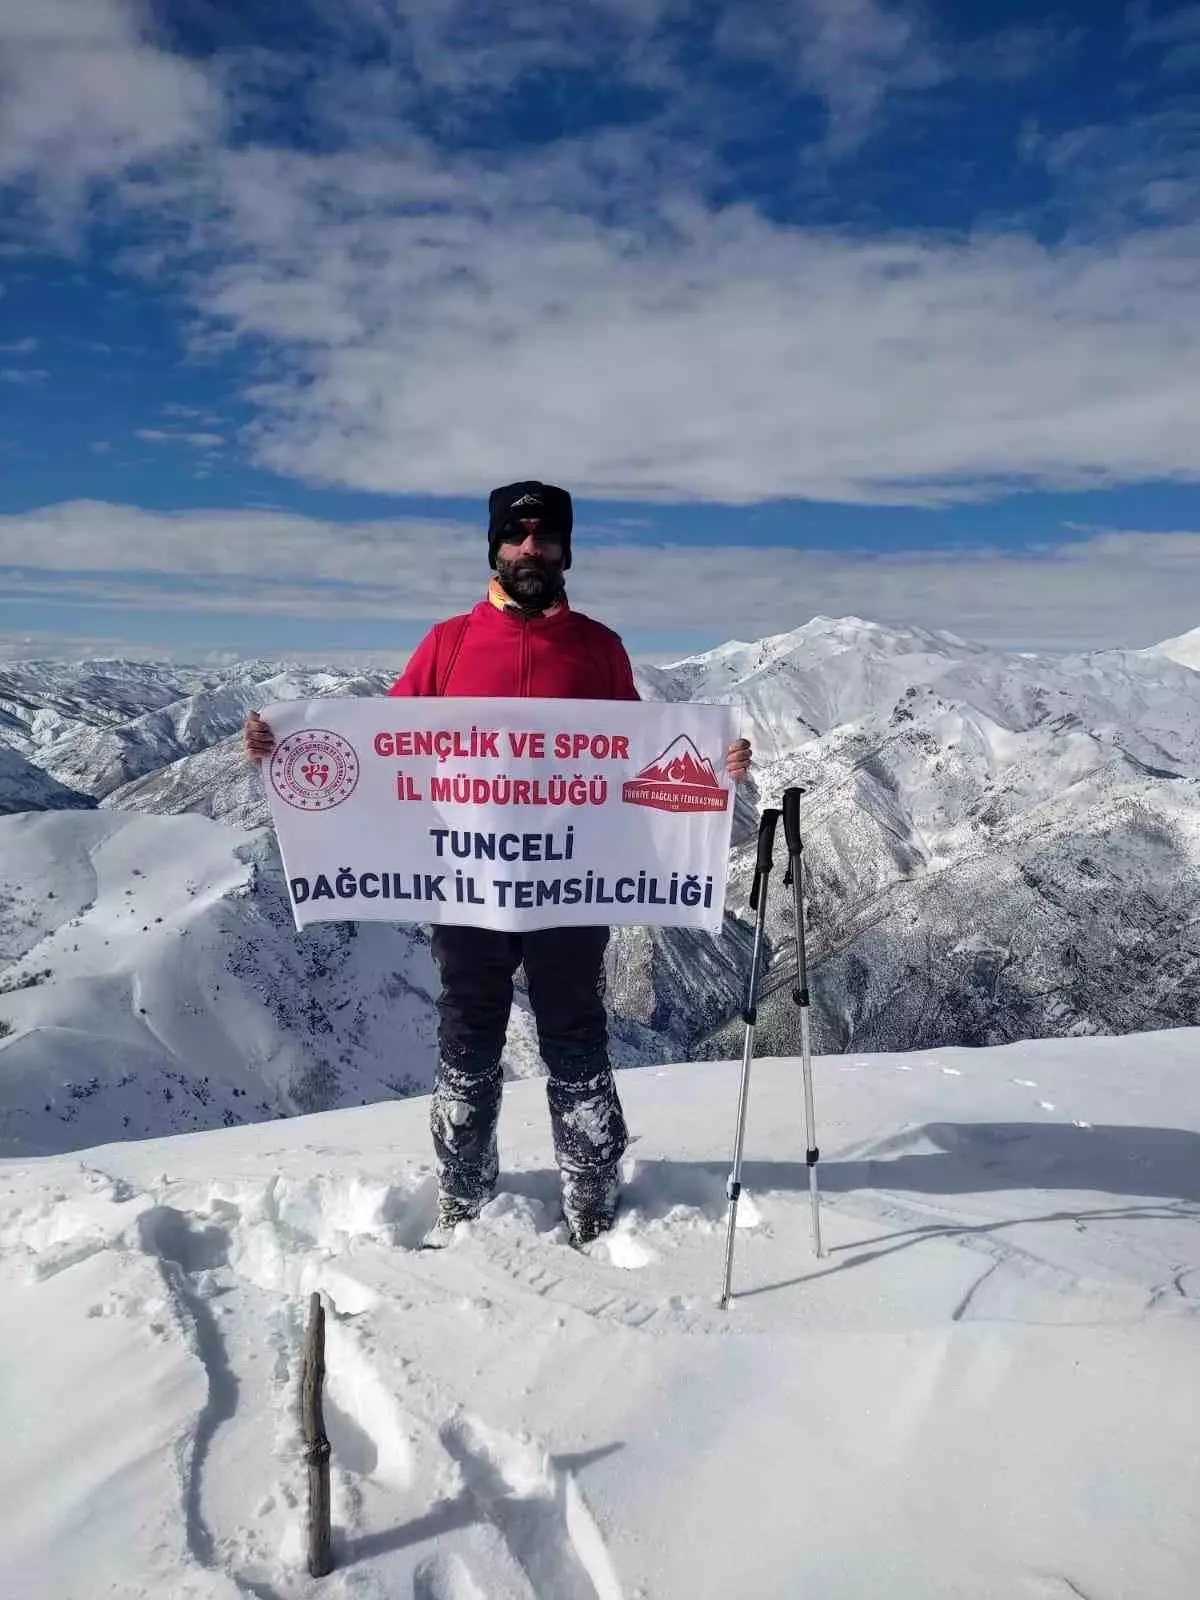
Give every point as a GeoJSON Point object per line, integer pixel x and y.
{"type": "Point", "coordinates": [564, 971]}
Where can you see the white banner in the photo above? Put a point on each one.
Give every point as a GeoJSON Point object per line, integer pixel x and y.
{"type": "Point", "coordinates": [506, 814]}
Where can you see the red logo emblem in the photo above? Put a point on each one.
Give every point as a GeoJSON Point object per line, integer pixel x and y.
{"type": "Point", "coordinates": [681, 779]}
{"type": "Point", "coordinates": [314, 770]}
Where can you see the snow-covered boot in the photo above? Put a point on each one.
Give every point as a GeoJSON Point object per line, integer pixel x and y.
{"type": "Point", "coordinates": [463, 1113]}
{"type": "Point", "coordinates": [451, 1210]}
{"type": "Point", "coordinates": [589, 1202]}
{"type": "Point", "coordinates": [462, 1194]}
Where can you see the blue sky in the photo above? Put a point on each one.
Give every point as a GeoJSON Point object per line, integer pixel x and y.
{"type": "Point", "coordinates": [818, 306]}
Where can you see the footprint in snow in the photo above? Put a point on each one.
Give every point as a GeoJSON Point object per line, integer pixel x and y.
{"type": "Point", "coordinates": [625, 1250]}
{"type": "Point", "coordinates": [445, 1578]}
{"type": "Point", "coordinates": [1025, 1083]}
{"type": "Point", "coordinates": [369, 1426]}
{"type": "Point", "coordinates": [536, 1508]}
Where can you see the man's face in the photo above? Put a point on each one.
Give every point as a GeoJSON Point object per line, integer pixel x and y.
{"type": "Point", "coordinates": [529, 564]}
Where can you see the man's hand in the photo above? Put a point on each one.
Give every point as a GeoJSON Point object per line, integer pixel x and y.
{"type": "Point", "coordinates": [737, 759]}
{"type": "Point", "coordinates": [257, 739]}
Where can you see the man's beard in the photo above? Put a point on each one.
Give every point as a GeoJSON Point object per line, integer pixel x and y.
{"type": "Point", "coordinates": [531, 581]}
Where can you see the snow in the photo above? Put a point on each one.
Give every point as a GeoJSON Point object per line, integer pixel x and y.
{"type": "Point", "coordinates": [987, 1390]}
{"type": "Point", "coordinates": [152, 982]}
{"type": "Point", "coordinates": [1185, 649]}
{"type": "Point", "coordinates": [25, 787]}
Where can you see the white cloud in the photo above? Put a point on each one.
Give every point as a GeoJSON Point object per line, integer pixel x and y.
{"type": "Point", "coordinates": [85, 93]}
{"type": "Point", "coordinates": [451, 56]}
{"type": "Point", "coordinates": [851, 53]}
{"type": "Point", "coordinates": [719, 357]}
{"type": "Point", "coordinates": [23, 377]}
{"type": "Point", "coordinates": [461, 44]}
{"type": "Point", "coordinates": [436, 323]}
{"type": "Point", "coordinates": [20, 347]}
{"type": "Point", "coordinates": [45, 645]}
{"type": "Point", "coordinates": [1095, 588]}
{"type": "Point", "coordinates": [1143, 169]}
{"type": "Point", "coordinates": [199, 441]}
{"type": "Point", "coordinates": [1105, 590]}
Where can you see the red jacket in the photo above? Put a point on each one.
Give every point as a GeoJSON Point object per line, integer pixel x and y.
{"type": "Point", "coordinates": [493, 652]}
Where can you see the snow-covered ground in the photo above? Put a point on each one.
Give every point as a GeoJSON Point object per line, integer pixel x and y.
{"type": "Point", "coordinates": [988, 1390]}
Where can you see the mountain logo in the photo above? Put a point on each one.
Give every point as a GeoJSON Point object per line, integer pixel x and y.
{"type": "Point", "coordinates": [680, 779]}
{"type": "Point", "coordinates": [314, 770]}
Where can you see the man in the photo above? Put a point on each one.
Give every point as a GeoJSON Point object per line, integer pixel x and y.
{"type": "Point", "coordinates": [523, 640]}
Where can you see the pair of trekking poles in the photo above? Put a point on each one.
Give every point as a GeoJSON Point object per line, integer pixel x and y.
{"type": "Point", "coordinates": [789, 810]}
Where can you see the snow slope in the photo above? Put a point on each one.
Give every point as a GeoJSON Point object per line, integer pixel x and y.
{"type": "Point", "coordinates": [1185, 649]}
{"type": "Point", "coordinates": [153, 982]}
{"type": "Point", "coordinates": [988, 1390]}
{"type": "Point", "coordinates": [25, 787]}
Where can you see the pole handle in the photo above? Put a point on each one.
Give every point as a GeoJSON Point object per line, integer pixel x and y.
{"type": "Point", "coordinates": [791, 820]}
{"type": "Point", "coordinates": [766, 852]}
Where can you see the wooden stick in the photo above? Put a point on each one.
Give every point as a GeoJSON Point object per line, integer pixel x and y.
{"type": "Point", "coordinates": [316, 1444]}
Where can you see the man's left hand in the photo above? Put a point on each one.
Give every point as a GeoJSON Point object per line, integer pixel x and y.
{"type": "Point", "coordinates": [737, 759]}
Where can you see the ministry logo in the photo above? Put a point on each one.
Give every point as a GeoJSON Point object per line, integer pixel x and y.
{"type": "Point", "coordinates": [314, 770]}
{"type": "Point", "coordinates": [680, 779]}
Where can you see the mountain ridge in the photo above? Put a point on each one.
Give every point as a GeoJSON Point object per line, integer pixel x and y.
{"type": "Point", "coordinates": [982, 832]}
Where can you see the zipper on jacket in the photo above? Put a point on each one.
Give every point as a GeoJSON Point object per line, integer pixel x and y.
{"type": "Point", "coordinates": [523, 654]}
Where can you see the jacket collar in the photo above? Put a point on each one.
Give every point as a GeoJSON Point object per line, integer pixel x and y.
{"type": "Point", "coordinates": [503, 602]}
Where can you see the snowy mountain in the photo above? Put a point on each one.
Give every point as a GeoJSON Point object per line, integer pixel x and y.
{"type": "Point", "coordinates": [1185, 649]}
{"type": "Point", "coordinates": [25, 787]}
{"type": "Point", "coordinates": [999, 847]}
{"type": "Point", "coordinates": [152, 982]}
{"type": "Point", "coordinates": [1005, 847]}
{"type": "Point", "coordinates": [103, 725]}
{"type": "Point", "coordinates": [795, 686]}
{"type": "Point", "coordinates": [986, 1389]}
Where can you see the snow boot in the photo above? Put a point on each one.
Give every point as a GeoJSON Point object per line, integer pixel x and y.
{"type": "Point", "coordinates": [450, 1212]}
{"type": "Point", "coordinates": [461, 1197]}
{"type": "Point", "coordinates": [589, 1203]}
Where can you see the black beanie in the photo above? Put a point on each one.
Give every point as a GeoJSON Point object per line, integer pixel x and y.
{"type": "Point", "coordinates": [508, 506]}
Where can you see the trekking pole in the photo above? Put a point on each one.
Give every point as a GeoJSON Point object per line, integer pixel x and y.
{"type": "Point", "coordinates": [758, 903]}
{"type": "Point", "coordinates": [794, 876]}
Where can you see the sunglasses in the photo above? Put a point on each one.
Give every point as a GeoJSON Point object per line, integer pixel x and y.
{"type": "Point", "coordinates": [532, 528]}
